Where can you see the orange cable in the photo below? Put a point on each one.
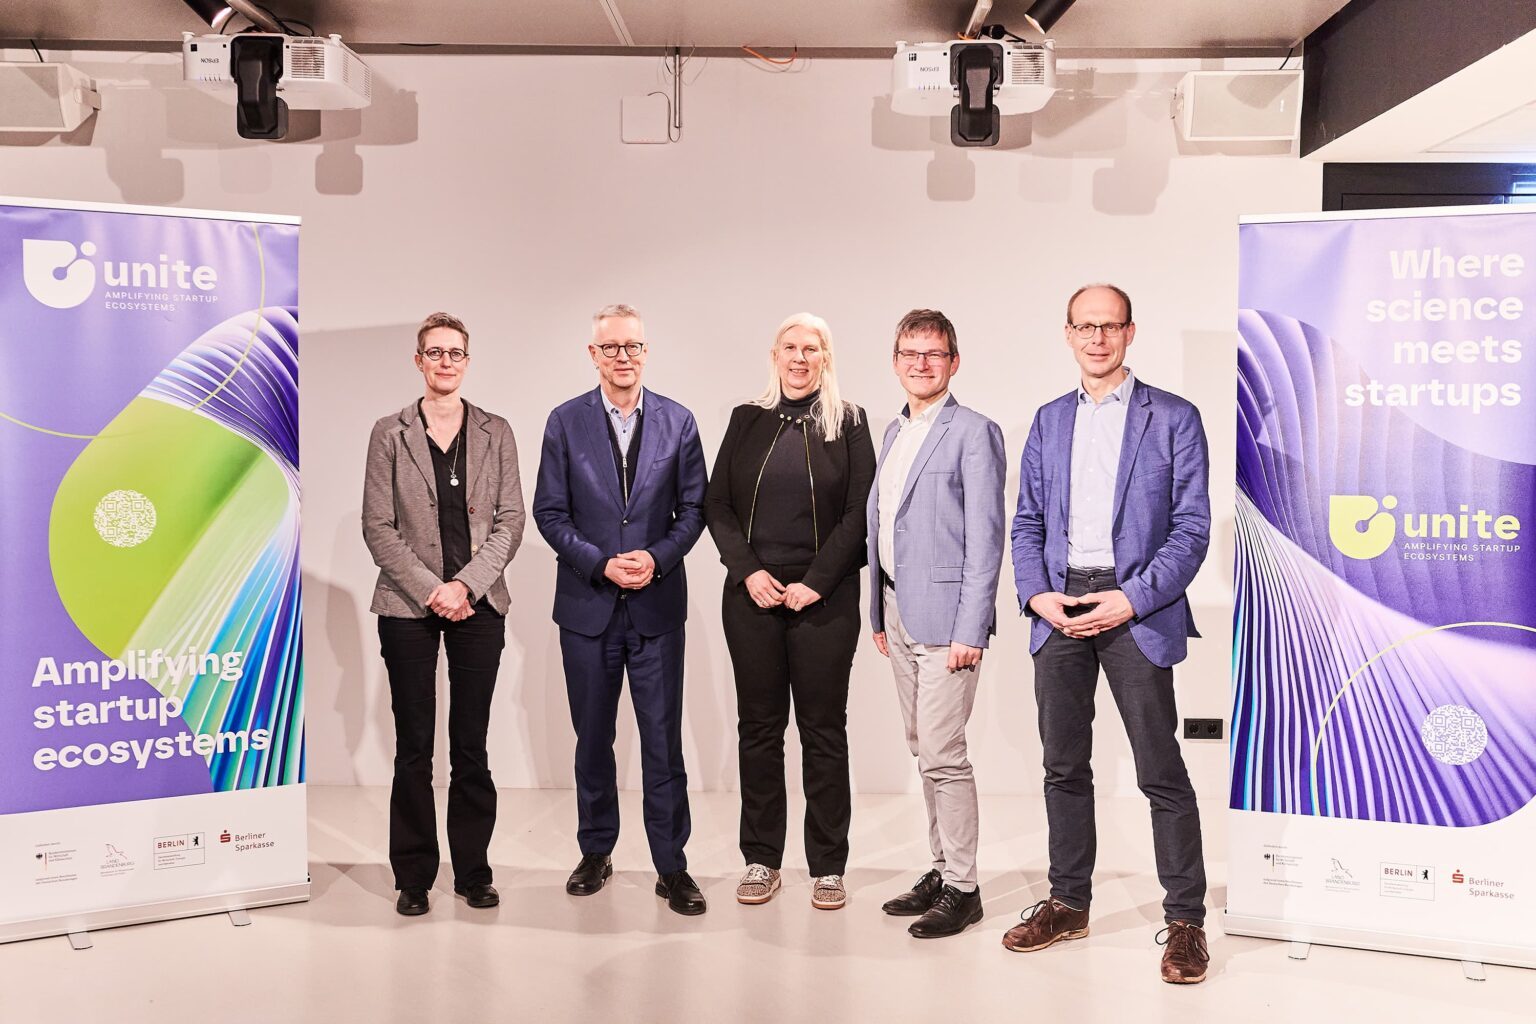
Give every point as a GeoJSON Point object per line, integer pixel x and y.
{"type": "Point", "coordinates": [771, 60]}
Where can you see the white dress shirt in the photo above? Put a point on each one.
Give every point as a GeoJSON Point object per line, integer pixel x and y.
{"type": "Point", "coordinates": [893, 476]}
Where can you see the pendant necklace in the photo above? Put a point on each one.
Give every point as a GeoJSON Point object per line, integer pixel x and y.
{"type": "Point", "coordinates": [453, 470]}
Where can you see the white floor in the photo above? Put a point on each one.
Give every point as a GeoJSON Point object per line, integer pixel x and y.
{"type": "Point", "coordinates": [621, 956]}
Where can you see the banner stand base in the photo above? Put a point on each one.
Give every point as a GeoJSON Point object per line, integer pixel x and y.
{"type": "Point", "coordinates": [78, 926]}
{"type": "Point", "coordinates": [1469, 952]}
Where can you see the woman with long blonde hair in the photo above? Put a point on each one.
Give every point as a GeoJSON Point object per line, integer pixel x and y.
{"type": "Point", "coordinates": [786, 507]}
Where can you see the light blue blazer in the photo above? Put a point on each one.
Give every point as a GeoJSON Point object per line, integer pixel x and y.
{"type": "Point", "coordinates": [949, 531]}
{"type": "Point", "coordinates": [1162, 516]}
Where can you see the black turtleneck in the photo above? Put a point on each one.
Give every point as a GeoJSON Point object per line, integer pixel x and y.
{"type": "Point", "coordinates": [783, 529]}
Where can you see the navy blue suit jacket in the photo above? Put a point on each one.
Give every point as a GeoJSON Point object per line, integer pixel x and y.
{"type": "Point", "coordinates": [1162, 515]}
{"type": "Point", "coordinates": [579, 507]}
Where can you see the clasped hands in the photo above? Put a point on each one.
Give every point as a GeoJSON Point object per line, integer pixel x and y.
{"type": "Point", "coordinates": [631, 570]}
{"type": "Point", "coordinates": [451, 601]}
{"type": "Point", "coordinates": [767, 592]}
{"type": "Point", "coordinates": [1112, 609]}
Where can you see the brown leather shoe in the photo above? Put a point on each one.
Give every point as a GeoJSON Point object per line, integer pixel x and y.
{"type": "Point", "coordinates": [1044, 924]}
{"type": "Point", "coordinates": [1185, 954]}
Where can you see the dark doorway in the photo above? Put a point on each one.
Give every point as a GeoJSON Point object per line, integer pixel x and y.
{"type": "Point", "coordinates": [1395, 186]}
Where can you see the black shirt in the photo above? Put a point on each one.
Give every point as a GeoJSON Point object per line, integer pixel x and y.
{"type": "Point", "coordinates": [784, 530]}
{"type": "Point", "coordinates": [452, 508]}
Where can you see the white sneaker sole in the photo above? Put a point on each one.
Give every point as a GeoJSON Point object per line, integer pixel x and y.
{"type": "Point", "coordinates": [753, 901]}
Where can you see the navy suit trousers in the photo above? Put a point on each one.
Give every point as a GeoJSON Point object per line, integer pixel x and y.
{"type": "Point", "coordinates": [595, 667]}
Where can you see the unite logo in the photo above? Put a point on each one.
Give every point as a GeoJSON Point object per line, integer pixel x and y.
{"type": "Point", "coordinates": [1345, 514]}
{"type": "Point", "coordinates": [59, 275]}
{"type": "Point", "coordinates": [55, 273]}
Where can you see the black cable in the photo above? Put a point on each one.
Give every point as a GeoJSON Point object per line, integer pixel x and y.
{"type": "Point", "coordinates": [1287, 57]}
{"type": "Point", "coordinates": [37, 51]}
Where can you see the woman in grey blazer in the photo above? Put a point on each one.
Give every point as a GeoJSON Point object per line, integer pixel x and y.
{"type": "Point", "coordinates": [442, 516]}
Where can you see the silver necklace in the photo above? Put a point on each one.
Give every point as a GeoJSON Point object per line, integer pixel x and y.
{"type": "Point", "coordinates": [453, 467]}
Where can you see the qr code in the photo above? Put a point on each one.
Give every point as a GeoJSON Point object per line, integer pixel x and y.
{"type": "Point", "coordinates": [125, 519]}
{"type": "Point", "coordinates": [1454, 734]}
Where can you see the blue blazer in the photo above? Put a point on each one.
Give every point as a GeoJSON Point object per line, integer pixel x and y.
{"type": "Point", "coordinates": [949, 531]}
{"type": "Point", "coordinates": [1162, 516]}
{"type": "Point", "coordinates": [579, 507]}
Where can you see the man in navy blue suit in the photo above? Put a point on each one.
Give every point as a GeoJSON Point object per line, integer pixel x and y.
{"type": "Point", "coordinates": [620, 499]}
{"type": "Point", "coordinates": [1113, 522]}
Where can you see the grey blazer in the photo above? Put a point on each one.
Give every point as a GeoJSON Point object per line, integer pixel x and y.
{"type": "Point", "coordinates": [400, 511]}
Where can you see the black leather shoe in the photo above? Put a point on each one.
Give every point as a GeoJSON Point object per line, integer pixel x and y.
{"type": "Point", "coordinates": [590, 874]}
{"type": "Point", "coordinates": [952, 913]}
{"type": "Point", "coordinates": [681, 893]}
{"type": "Point", "coordinates": [412, 902]}
{"type": "Point", "coordinates": [918, 899]}
{"type": "Point", "coordinates": [479, 896]}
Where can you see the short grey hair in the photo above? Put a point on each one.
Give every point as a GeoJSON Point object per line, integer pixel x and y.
{"type": "Point", "coordinates": [616, 309]}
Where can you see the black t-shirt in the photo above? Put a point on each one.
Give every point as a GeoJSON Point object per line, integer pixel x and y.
{"type": "Point", "coordinates": [452, 507]}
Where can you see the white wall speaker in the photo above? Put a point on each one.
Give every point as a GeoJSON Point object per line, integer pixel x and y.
{"type": "Point", "coordinates": [37, 97]}
{"type": "Point", "coordinates": [1239, 106]}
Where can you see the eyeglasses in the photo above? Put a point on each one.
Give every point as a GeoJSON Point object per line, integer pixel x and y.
{"type": "Point", "coordinates": [1085, 331]}
{"type": "Point", "coordinates": [631, 348]}
{"type": "Point", "coordinates": [455, 355]}
{"type": "Point", "coordinates": [907, 355]}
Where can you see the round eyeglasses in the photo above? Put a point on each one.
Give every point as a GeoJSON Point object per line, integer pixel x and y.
{"type": "Point", "coordinates": [1085, 331]}
{"type": "Point", "coordinates": [432, 355]}
{"type": "Point", "coordinates": [631, 349]}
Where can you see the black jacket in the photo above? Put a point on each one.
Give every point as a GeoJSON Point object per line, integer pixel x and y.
{"type": "Point", "coordinates": [843, 472]}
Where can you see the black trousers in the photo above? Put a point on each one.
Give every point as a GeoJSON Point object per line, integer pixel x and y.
{"type": "Point", "coordinates": [1066, 675]}
{"type": "Point", "coordinates": [782, 657]}
{"type": "Point", "coordinates": [410, 647]}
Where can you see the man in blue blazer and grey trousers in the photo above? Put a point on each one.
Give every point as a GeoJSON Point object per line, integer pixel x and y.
{"type": "Point", "coordinates": [935, 550]}
{"type": "Point", "coordinates": [1112, 524]}
{"type": "Point", "coordinates": [620, 498]}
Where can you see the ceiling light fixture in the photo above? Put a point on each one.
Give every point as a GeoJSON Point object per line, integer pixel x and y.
{"type": "Point", "coordinates": [1044, 14]}
{"type": "Point", "coordinates": [218, 12]}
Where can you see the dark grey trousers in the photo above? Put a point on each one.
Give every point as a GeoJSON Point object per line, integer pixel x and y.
{"type": "Point", "coordinates": [1066, 676]}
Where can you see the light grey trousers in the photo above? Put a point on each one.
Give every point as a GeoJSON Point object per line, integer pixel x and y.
{"type": "Point", "coordinates": [935, 706]}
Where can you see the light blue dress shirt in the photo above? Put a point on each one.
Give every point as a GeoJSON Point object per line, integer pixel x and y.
{"type": "Point", "coordinates": [1096, 438]}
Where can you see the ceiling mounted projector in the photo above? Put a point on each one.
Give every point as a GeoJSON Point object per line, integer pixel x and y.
{"type": "Point", "coordinates": [973, 82]}
{"type": "Point", "coordinates": [921, 81]}
{"type": "Point", "coordinates": [266, 73]}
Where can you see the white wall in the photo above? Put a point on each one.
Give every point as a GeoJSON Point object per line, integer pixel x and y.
{"type": "Point", "coordinates": [497, 188]}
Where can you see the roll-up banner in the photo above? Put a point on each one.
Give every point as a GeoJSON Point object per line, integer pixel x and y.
{"type": "Point", "coordinates": [151, 671]}
{"type": "Point", "coordinates": [1384, 654]}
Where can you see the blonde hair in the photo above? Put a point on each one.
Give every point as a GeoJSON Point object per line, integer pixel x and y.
{"type": "Point", "coordinates": [830, 407]}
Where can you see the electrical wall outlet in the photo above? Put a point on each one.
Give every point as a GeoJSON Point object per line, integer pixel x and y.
{"type": "Point", "coordinates": [1203, 729]}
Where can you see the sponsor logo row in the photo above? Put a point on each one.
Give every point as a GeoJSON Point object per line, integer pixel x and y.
{"type": "Point", "coordinates": [57, 863]}
{"type": "Point", "coordinates": [1392, 879]}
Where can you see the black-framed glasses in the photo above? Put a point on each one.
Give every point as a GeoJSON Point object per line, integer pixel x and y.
{"type": "Point", "coordinates": [907, 355]}
{"type": "Point", "coordinates": [1111, 330]}
{"type": "Point", "coordinates": [455, 355]}
{"type": "Point", "coordinates": [632, 349]}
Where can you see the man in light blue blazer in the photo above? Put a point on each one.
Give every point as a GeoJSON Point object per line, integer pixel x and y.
{"type": "Point", "coordinates": [1113, 522]}
{"type": "Point", "coordinates": [620, 499]}
{"type": "Point", "coordinates": [936, 523]}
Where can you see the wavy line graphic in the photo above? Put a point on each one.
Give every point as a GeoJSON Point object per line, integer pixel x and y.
{"type": "Point", "coordinates": [1385, 689]}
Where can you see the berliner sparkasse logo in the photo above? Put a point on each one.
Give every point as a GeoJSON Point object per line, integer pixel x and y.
{"type": "Point", "coordinates": [62, 275]}
{"type": "Point", "coordinates": [1364, 527]}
